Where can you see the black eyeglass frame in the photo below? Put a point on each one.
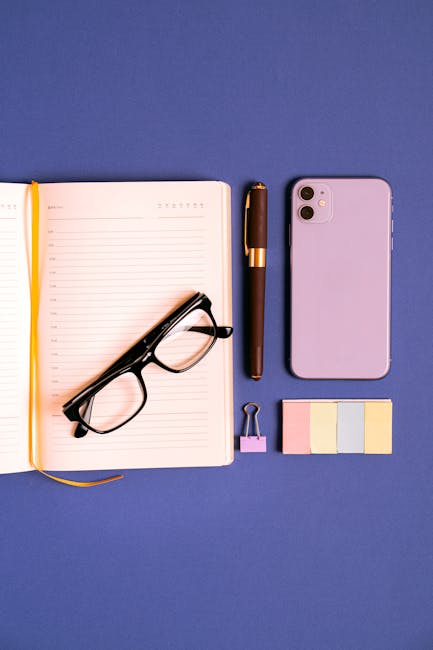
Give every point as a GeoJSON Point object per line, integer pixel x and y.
{"type": "Point", "coordinates": [141, 354]}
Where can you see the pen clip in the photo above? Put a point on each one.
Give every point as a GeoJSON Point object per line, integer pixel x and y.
{"type": "Point", "coordinates": [247, 207]}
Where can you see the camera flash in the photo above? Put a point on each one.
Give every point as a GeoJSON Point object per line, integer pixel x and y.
{"type": "Point", "coordinates": [322, 203]}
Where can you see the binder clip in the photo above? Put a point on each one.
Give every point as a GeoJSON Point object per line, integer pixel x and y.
{"type": "Point", "coordinates": [257, 442]}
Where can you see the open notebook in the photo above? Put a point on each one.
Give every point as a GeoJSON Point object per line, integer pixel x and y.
{"type": "Point", "coordinates": [115, 259]}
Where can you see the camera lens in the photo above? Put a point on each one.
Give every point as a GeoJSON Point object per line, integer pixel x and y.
{"type": "Point", "coordinates": [307, 212]}
{"type": "Point", "coordinates": [307, 193]}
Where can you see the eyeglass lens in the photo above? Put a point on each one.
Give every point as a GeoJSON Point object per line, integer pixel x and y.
{"type": "Point", "coordinates": [187, 342]}
{"type": "Point", "coordinates": [114, 404]}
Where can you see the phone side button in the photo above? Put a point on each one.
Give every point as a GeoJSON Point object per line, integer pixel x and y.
{"type": "Point", "coordinates": [392, 243]}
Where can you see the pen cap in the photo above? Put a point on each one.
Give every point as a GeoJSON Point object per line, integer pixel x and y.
{"type": "Point", "coordinates": [258, 217]}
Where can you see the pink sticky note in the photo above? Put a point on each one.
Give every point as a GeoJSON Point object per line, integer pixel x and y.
{"type": "Point", "coordinates": [296, 428]}
{"type": "Point", "coordinates": [253, 444]}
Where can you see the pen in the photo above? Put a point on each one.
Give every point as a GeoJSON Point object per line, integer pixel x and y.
{"type": "Point", "coordinates": [255, 242]}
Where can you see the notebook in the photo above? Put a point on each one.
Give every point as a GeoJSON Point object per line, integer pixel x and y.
{"type": "Point", "coordinates": [115, 259]}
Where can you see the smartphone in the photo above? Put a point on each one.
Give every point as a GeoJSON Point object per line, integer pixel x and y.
{"type": "Point", "coordinates": [340, 252]}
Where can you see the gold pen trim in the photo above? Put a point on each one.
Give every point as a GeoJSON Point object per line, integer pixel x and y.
{"type": "Point", "coordinates": [257, 257]}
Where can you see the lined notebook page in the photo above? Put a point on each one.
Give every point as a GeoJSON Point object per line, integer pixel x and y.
{"type": "Point", "coordinates": [117, 258]}
{"type": "Point", "coordinates": [14, 329]}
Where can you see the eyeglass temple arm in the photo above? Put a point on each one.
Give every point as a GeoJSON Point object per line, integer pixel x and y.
{"type": "Point", "coordinates": [221, 332]}
{"type": "Point", "coordinates": [81, 430]}
{"type": "Point", "coordinates": [224, 332]}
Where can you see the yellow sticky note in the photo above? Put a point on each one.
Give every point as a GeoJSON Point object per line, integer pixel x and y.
{"type": "Point", "coordinates": [323, 427]}
{"type": "Point", "coordinates": [378, 427]}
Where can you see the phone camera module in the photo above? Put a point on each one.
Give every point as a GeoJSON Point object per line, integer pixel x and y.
{"type": "Point", "coordinates": [307, 212]}
{"type": "Point", "coordinates": [307, 194]}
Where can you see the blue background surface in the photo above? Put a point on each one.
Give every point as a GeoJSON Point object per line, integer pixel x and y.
{"type": "Point", "coordinates": [272, 552]}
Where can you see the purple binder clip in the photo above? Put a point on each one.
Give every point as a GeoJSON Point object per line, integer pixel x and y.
{"type": "Point", "coordinates": [257, 442]}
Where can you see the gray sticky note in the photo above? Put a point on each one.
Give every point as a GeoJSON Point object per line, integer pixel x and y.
{"type": "Point", "coordinates": [350, 427]}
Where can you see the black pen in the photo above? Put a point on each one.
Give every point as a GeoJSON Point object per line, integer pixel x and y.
{"type": "Point", "coordinates": [255, 243]}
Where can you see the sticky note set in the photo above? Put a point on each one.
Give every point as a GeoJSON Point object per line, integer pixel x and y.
{"type": "Point", "coordinates": [337, 426]}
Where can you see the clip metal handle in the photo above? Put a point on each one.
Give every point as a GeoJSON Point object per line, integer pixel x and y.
{"type": "Point", "coordinates": [256, 419]}
{"type": "Point", "coordinates": [246, 209]}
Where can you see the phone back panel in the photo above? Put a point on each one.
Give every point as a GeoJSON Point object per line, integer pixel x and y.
{"type": "Point", "coordinates": [340, 280]}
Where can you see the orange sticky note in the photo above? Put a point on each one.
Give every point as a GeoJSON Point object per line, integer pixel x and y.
{"type": "Point", "coordinates": [296, 428]}
{"type": "Point", "coordinates": [323, 427]}
{"type": "Point", "coordinates": [378, 427]}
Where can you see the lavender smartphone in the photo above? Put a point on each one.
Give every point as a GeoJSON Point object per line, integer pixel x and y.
{"type": "Point", "coordinates": [340, 278]}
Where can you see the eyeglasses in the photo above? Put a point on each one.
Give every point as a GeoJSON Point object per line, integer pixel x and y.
{"type": "Point", "coordinates": [177, 344]}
